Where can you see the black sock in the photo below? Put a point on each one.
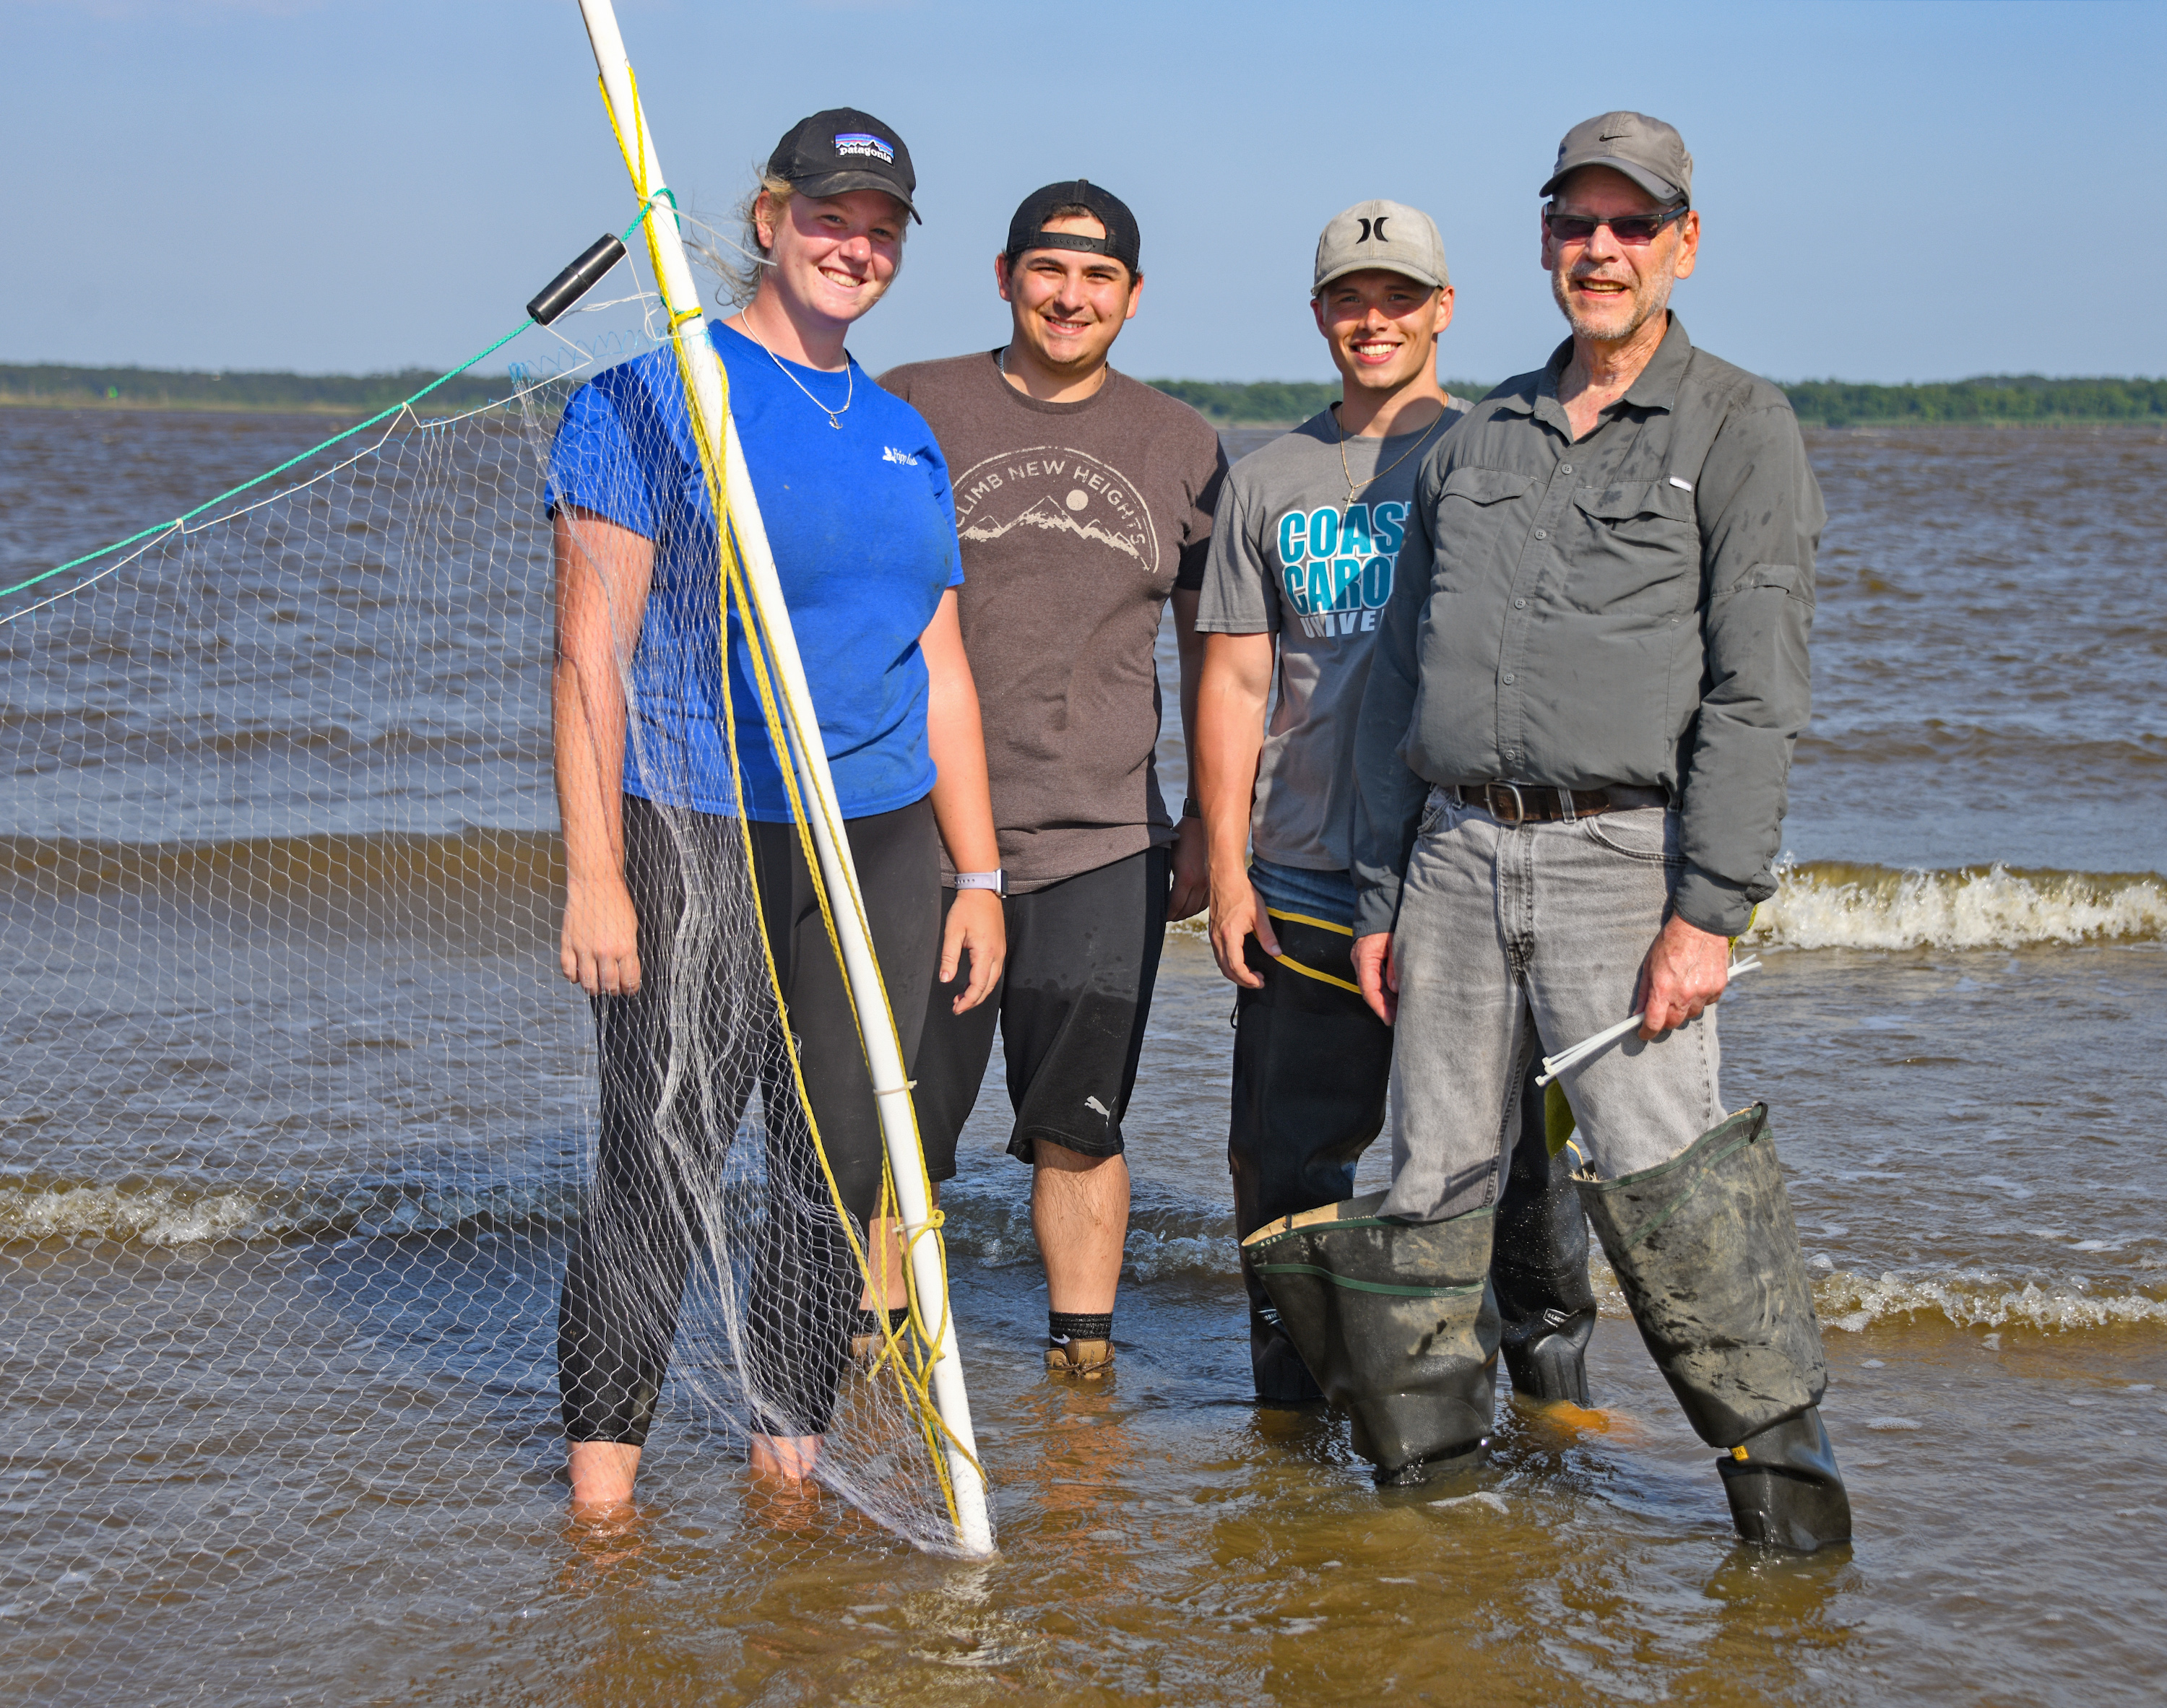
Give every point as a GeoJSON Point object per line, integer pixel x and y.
{"type": "Point", "coordinates": [1063, 1326]}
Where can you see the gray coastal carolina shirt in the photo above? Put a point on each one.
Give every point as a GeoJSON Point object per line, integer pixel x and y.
{"type": "Point", "coordinates": [1294, 555]}
{"type": "Point", "coordinates": [1630, 609]}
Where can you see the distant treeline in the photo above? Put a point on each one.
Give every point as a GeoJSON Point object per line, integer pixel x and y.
{"type": "Point", "coordinates": [1272, 403]}
{"type": "Point", "coordinates": [157, 387]}
{"type": "Point", "coordinates": [1826, 403]}
{"type": "Point", "coordinates": [2000, 397]}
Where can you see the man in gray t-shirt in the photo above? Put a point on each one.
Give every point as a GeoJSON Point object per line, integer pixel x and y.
{"type": "Point", "coordinates": [1301, 568]}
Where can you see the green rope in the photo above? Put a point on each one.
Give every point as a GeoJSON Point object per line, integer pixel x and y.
{"type": "Point", "coordinates": [336, 438]}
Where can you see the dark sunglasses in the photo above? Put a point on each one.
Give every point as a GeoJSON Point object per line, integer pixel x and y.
{"type": "Point", "coordinates": [1626, 228]}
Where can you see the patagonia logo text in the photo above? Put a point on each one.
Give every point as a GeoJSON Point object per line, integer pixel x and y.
{"type": "Point", "coordinates": [864, 142]}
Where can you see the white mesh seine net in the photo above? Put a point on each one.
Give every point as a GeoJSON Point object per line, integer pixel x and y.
{"type": "Point", "coordinates": [299, 1125]}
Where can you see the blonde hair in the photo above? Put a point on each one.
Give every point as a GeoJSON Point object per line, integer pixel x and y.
{"type": "Point", "coordinates": [741, 277]}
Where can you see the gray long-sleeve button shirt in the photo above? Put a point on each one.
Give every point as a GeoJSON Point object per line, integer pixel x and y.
{"type": "Point", "coordinates": [1630, 609]}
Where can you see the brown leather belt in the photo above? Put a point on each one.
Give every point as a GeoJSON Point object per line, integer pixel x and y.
{"type": "Point", "coordinates": [1537, 803]}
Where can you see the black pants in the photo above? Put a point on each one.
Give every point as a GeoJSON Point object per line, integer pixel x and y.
{"type": "Point", "coordinates": [1073, 1001]}
{"type": "Point", "coordinates": [680, 1060]}
{"type": "Point", "coordinates": [1312, 1064]}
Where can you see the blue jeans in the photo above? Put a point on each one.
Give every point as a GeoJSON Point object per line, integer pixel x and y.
{"type": "Point", "coordinates": [1513, 942]}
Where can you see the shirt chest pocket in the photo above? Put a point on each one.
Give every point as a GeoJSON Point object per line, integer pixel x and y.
{"type": "Point", "coordinates": [1476, 519]}
{"type": "Point", "coordinates": [1634, 548]}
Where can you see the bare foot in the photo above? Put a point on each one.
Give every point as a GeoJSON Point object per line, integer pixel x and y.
{"type": "Point", "coordinates": [784, 1458]}
{"type": "Point", "coordinates": [602, 1474]}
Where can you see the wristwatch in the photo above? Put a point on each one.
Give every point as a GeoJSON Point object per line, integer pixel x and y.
{"type": "Point", "coordinates": [997, 881]}
{"type": "Point", "coordinates": [1189, 809]}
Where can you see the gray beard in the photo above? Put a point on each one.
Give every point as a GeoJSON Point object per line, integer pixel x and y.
{"type": "Point", "coordinates": [1657, 300]}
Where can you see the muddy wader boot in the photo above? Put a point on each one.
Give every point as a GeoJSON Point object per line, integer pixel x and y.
{"type": "Point", "coordinates": [1707, 1254]}
{"type": "Point", "coordinates": [1310, 1065]}
{"type": "Point", "coordinates": [1396, 1322]}
{"type": "Point", "coordinates": [1539, 1268]}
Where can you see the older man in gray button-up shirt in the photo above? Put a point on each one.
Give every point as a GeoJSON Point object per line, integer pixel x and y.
{"type": "Point", "coordinates": [1570, 766]}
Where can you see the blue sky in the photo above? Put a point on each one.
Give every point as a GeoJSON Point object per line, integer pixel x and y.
{"type": "Point", "coordinates": [1890, 191]}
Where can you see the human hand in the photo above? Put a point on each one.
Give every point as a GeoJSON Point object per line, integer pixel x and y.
{"type": "Point", "coordinates": [976, 923]}
{"type": "Point", "coordinates": [1192, 880]}
{"type": "Point", "coordinates": [1237, 913]}
{"type": "Point", "coordinates": [1378, 974]}
{"type": "Point", "coordinates": [1686, 970]}
{"type": "Point", "coordinates": [599, 949]}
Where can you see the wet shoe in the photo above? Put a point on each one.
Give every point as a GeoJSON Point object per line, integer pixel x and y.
{"type": "Point", "coordinates": [1089, 1359]}
{"type": "Point", "coordinates": [867, 1342]}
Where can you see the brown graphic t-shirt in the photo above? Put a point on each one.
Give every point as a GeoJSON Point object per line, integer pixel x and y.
{"type": "Point", "coordinates": [1077, 520]}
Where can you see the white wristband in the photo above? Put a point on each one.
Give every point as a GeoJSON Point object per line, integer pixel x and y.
{"type": "Point", "coordinates": [997, 881]}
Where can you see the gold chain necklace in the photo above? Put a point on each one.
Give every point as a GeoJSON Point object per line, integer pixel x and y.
{"type": "Point", "coordinates": [1354, 486]}
{"type": "Point", "coordinates": [850, 385]}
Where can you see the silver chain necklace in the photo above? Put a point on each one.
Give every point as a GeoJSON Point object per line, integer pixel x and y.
{"type": "Point", "coordinates": [850, 382]}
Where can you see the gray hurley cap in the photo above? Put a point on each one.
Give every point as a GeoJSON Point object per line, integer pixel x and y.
{"type": "Point", "coordinates": [1647, 150]}
{"type": "Point", "coordinates": [1387, 235]}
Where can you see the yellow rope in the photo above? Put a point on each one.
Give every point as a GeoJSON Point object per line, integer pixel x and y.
{"type": "Point", "coordinates": [916, 1379]}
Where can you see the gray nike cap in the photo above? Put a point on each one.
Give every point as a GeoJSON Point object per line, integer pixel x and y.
{"type": "Point", "coordinates": [1387, 235]}
{"type": "Point", "coordinates": [1647, 150]}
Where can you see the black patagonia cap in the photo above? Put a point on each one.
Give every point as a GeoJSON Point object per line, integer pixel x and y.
{"type": "Point", "coordinates": [1027, 229]}
{"type": "Point", "coordinates": [841, 150]}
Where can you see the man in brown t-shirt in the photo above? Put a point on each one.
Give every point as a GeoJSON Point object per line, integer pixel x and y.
{"type": "Point", "coordinates": [1084, 501]}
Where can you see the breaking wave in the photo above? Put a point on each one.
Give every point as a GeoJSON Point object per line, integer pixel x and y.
{"type": "Point", "coordinates": [1839, 904]}
{"type": "Point", "coordinates": [1830, 904]}
{"type": "Point", "coordinates": [173, 1211]}
{"type": "Point", "coordinates": [1853, 1303]}
{"type": "Point", "coordinates": [1166, 1243]}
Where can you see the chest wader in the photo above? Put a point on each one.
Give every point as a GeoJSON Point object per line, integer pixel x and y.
{"type": "Point", "coordinates": [1310, 1065]}
{"type": "Point", "coordinates": [1707, 1254]}
{"type": "Point", "coordinates": [1396, 1321]}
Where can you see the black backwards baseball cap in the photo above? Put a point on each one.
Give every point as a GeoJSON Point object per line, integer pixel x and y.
{"type": "Point", "coordinates": [843, 149]}
{"type": "Point", "coordinates": [1647, 150]}
{"type": "Point", "coordinates": [1121, 241]}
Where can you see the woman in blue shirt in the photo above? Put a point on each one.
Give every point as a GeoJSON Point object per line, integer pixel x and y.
{"type": "Point", "coordinates": [854, 493]}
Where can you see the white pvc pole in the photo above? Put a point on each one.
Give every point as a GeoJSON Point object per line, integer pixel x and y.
{"type": "Point", "coordinates": [891, 1084]}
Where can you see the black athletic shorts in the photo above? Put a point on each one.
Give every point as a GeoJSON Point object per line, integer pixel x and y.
{"type": "Point", "coordinates": [1072, 1003]}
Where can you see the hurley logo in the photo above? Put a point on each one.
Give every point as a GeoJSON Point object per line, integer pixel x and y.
{"type": "Point", "coordinates": [864, 142]}
{"type": "Point", "coordinates": [890, 454]}
{"type": "Point", "coordinates": [1372, 227]}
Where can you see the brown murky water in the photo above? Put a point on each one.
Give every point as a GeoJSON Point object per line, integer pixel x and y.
{"type": "Point", "coordinates": [278, 1280]}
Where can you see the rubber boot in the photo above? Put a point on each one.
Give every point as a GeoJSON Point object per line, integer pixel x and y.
{"type": "Point", "coordinates": [1708, 1256]}
{"type": "Point", "coordinates": [1784, 1489]}
{"type": "Point", "coordinates": [1311, 1067]}
{"type": "Point", "coordinates": [1539, 1267]}
{"type": "Point", "coordinates": [1397, 1323]}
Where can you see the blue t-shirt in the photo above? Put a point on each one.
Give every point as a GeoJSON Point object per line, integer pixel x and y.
{"type": "Point", "coordinates": [863, 529]}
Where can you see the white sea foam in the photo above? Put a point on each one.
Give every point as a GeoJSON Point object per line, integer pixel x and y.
{"type": "Point", "coordinates": [1853, 1303]}
{"type": "Point", "coordinates": [1837, 904]}
{"type": "Point", "coordinates": [1834, 904]}
{"type": "Point", "coordinates": [170, 1213]}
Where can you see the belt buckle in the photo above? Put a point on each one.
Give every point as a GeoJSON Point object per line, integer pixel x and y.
{"type": "Point", "coordinates": [1519, 807]}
